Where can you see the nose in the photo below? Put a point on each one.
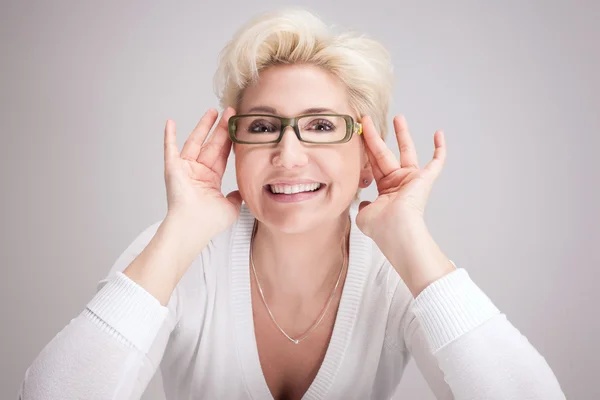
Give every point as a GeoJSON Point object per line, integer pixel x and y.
{"type": "Point", "coordinates": [290, 152]}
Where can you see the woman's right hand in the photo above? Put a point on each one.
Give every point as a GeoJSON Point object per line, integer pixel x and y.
{"type": "Point", "coordinates": [193, 177]}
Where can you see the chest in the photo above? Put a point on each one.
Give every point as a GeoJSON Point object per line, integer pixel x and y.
{"type": "Point", "coordinates": [289, 369]}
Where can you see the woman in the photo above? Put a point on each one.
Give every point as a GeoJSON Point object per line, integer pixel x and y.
{"type": "Point", "coordinates": [297, 292]}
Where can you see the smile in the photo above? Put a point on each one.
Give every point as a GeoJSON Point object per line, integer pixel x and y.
{"type": "Point", "coordinates": [291, 192]}
{"type": "Point", "coordinates": [293, 189]}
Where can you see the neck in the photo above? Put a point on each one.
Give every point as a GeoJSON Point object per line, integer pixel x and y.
{"type": "Point", "coordinates": [301, 265]}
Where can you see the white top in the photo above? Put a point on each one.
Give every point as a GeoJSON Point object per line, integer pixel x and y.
{"type": "Point", "coordinates": [204, 342]}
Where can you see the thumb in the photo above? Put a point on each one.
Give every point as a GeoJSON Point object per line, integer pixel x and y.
{"type": "Point", "coordinates": [235, 198]}
{"type": "Point", "coordinates": [363, 204]}
{"type": "Point", "coordinates": [170, 142]}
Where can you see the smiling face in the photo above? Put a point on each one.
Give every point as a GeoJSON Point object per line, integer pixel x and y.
{"type": "Point", "coordinates": [294, 186]}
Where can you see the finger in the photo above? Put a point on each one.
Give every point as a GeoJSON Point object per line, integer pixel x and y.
{"type": "Point", "coordinates": [436, 165]}
{"type": "Point", "coordinates": [384, 158]}
{"type": "Point", "coordinates": [235, 198]}
{"type": "Point", "coordinates": [221, 162]}
{"type": "Point", "coordinates": [377, 174]}
{"type": "Point", "coordinates": [193, 144]}
{"type": "Point", "coordinates": [215, 151]}
{"type": "Point", "coordinates": [171, 151]}
{"type": "Point", "coordinates": [212, 147]}
{"type": "Point", "coordinates": [408, 152]}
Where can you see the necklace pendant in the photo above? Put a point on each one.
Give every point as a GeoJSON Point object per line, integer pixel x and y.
{"type": "Point", "coordinates": [296, 341]}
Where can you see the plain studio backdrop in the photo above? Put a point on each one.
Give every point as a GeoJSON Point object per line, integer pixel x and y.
{"type": "Point", "coordinates": [86, 90]}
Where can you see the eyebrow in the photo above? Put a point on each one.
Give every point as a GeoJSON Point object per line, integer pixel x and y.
{"type": "Point", "coordinates": [314, 110]}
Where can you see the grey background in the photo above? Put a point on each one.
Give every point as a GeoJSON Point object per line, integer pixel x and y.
{"type": "Point", "coordinates": [86, 88]}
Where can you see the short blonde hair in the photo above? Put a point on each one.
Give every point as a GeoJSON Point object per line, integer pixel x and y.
{"type": "Point", "coordinates": [297, 36]}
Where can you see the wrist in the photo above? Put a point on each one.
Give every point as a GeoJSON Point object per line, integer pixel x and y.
{"type": "Point", "coordinates": [404, 233]}
{"type": "Point", "coordinates": [415, 255]}
{"type": "Point", "coordinates": [182, 238]}
{"type": "Point", "coordinates": [166, 258]}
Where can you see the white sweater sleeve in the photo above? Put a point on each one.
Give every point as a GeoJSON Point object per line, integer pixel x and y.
{"type": "Point", "coordinates": [113, 347]}
{"type": "Point", "coordinates": [466, 349]}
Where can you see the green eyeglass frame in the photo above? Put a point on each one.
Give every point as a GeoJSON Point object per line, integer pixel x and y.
{"type": "Point", "coordinates": [352, 127]}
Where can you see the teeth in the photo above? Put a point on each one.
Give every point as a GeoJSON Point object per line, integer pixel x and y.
{"type": "Point", "coordinates": [291, 189]}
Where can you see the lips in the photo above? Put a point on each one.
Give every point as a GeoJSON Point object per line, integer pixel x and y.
{"type": "Point", "coordinates": [293, 191]}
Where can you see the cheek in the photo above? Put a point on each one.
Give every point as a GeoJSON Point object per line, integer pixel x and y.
{"type": "Point", "coordinates": [242, 172]}
{"type": "Point", "coordinates": [249, 170]}
{"type": "Point", "coordinates": [343, 167]}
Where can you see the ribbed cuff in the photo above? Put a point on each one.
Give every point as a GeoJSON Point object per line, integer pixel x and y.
{"type": "Point", "coordinates": [452, 306]}
{"type": "Point", "coordinates": [130, 310]}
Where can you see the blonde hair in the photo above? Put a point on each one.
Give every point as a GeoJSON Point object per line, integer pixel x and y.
{"type": "Point", "coordinates": [297, 36]}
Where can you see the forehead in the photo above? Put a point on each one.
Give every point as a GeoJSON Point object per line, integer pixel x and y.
{"type": "Point", "coordinates": [292, 89]}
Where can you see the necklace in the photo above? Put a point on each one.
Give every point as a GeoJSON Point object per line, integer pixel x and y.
{"type": "Point", "coordinates": [323, 313]}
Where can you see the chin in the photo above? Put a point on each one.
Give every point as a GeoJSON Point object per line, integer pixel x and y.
{"type": "Point", "coordinates": [289, 219]}
{"type": "Point", "coordinates": [296, 214]}
{"type": "Point", "coordinates": [292, 221]}
{"type": "Point", "coordinates": [295, 220]}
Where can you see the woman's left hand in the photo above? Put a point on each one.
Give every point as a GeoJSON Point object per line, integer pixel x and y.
{"type": "Point", "coordinates": [395, 219]}
{"type": "Point", "coordinates": [403, 187]}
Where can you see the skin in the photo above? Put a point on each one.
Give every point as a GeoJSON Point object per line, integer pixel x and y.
{"type": "Point", "coordinates": [298, 247]}
{"type": "Point", "coordinates": [296, 282]}
{"type": "Point", "coordinates": [290, 274]}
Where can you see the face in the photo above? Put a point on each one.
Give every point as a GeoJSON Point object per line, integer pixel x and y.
{"type": "Point", "coordinates": [325, 176]}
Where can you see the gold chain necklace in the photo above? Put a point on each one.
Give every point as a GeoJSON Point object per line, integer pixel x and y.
{"type": "Point", "coordinates": [323, 313]}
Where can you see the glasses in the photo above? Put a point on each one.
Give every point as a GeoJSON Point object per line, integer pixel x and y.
{"type": "Point", "coordinates": [309, 128]}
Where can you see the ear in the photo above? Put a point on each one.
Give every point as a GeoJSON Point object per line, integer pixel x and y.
{"type": "Point", "coordinates": [366, 173]}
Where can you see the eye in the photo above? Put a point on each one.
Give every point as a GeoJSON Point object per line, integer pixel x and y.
{"type": "Point", "coordinates": [261, 126]}
{"type": "Point", "coordinates": [322, 125]}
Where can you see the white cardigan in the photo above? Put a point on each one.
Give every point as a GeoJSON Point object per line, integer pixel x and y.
{"type": "Point", "coordinates": [204, 342]}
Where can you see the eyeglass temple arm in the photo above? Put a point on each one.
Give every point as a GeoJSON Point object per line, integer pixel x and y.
{"type": "Point", "coordinates": [358, 128]}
